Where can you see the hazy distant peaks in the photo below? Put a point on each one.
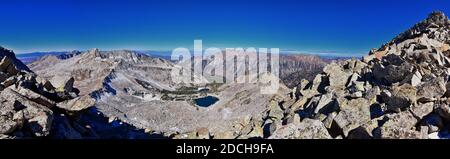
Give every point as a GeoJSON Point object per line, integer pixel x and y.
{"type": "Point", "coordinates": [438, 17]}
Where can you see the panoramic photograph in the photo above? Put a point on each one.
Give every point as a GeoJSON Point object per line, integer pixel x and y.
{"type": "Point", "coordinates": [224, 70]}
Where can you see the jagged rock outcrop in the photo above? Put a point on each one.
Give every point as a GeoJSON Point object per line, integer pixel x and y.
{"type": "Point", "coordinates": [397, 91]}
{"type": "Point", "coordinates": [77, 104]}
{"type": "Point", "coordinates": [34, 107]}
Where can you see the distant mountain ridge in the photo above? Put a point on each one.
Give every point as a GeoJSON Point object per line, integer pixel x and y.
{"type": "Point", "coordinates": [399, 91]}
{"type": "Point", "coordinates": [32, 107]}
{"type": "Point", "coordinates": [33, 56]}
{"type": "Point", "coordinates": [138, 89]}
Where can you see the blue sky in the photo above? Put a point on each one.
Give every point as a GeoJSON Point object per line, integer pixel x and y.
{"type": "Point", "coordinates": [345, 27]}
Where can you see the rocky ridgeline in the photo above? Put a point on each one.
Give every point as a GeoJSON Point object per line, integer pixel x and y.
{"type": "Point", "coordinates": [299, 66]}
{"type": "Point", "coordinates": [33, 107]}
{"type": "Point", "coordinates": [401, 90]}
{"type": "Point", "coordinates": [397, 91]}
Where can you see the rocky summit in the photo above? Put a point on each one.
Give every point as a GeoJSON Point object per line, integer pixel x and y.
{"type": "Point", "coordinates": [399, 91]}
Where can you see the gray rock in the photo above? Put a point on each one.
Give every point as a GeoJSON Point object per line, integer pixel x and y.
{"type": "Point", "coordinates": [416, 79]}
{"type": "Point", "coordinates": [352, 79]}
{"type": "Point", "coordinates": [3, 77]}
{"type": "Point", "coordinates": [359, 65]}
{"type": "Point", "coordinates": [366, 130]}
{"type": "Point", "coordinates": [307, 129]}
{"type": "Point", "coordinates": [33, 96]}
{"type": "Point", "coordinates": [19, 118]}
{"type": "Point", "coordinates": [25, 107]}
{"type": "Point", "coordinates": [421, 110]}
{"type": "Point", "coordinates": [273, 127]}
{"type": "Point", "coordinates": [48, 86]}
{"type": "Point", "coordinates": [356, 95]}
{"type": "Point", "coordinates": [434, 122]}
{"type": "Point", "coordinates": [293, 118]}
{"type": "Point", "coordinates": [356, 86]}
{"type": "Point", "coordinates": [400, 126]}
{"type": "Point", "coordinates": [275, 111]}
{"type": "Point", "coordinates": [4, 64]}
{"type": "Point", "coordinates": [314, 86]}
{"type": "Point", "coordinates": [9, 81]}
{"type": "Point", "coordinates": [287, 104]}
{"type": "Point", "coordinates": [224, 135]}
{"type": "Point", "coordinates": [7, 66]}
{"type": "Point", "coordinates": [329, 120]}
{"type": "Point", "coordinates": [203, 133]}
{"type": "Point", "coordinates": [14, 61]}
{"type": "Point", "coordinates": [62, 128]}
{"type": "Point", "coordinates": [336, 75]}
{"type": "Point", "coordinates": [38, 117]}
{"type": "Point", "coordinates": [297, 105]}
{"type": "Point", "coordinates": [444, 111]}
{"type": "Point", "coordinates": [325, 100]}
{"type": "Point", "coordinates": [257, 132]}
{"type": "Point", "coordinates": [41, 124]}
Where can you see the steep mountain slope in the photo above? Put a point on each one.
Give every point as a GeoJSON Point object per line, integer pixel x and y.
{"type": "Point", "coordinates": [397, 91]}
{"type": "Point", "coordinates": [400, 90]}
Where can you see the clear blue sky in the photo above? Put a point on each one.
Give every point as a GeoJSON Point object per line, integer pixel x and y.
{"type": "Point", "coordinates": [334, 26]}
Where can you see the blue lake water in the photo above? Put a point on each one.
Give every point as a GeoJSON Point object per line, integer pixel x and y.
{"type": "Point", "coordinates": [206, 101]}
